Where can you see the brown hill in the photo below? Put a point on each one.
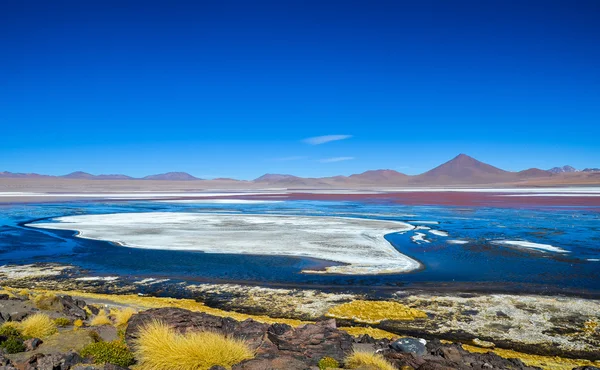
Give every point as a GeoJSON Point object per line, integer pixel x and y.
{"type": "Point", "coordinates": [464, 170]}
{"type": "Point", "coordinates": [379, 177]}
{"type": "Point", "coordinates": [17, 175]}
{"type": "Point", "coordinates": [173, 176]}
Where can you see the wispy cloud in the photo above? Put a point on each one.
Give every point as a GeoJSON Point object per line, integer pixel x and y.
{"type": "Point", "coordinates": [292, 158]}
{"type": "Point", "coordinates": [318, 140]}
{"type": "Point", "coordinates": [335, 159]}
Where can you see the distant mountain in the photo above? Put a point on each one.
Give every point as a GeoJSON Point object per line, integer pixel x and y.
{"type": "Point", "coordinates": [6, 174]}
{"type": "Point", "coordinates": [463, 169]}
{"type": "Point", "coordinates": [275, 177]}
{"type": "Point", "coordinates": [379, 176]}
{"type": "Point", "coordinates": [533, 173]}
{"type": "Point", "coordinates": [88, 176]}
{"type": "Point", "coordinates": [172, 176]}
{"type": "Point", "coordinates": [563, 169]}
{"type": "Point", "coordinates": [78, 175]}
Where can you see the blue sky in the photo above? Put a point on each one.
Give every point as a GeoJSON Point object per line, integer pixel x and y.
{"type": "Point", "coordinates": [234, 88]}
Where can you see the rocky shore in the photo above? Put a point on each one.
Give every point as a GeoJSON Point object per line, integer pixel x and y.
{"type": "Point", "coordinates": [93, 327]}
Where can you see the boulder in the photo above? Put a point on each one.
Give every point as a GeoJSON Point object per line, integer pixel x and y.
{"type": "Point", "coordinates": [311, 342]}
{"type": "Point", "coordinates": [277, 363]}
{"type": "Point", "coordinates": [52, 362]}
{"type": "Point", "coordinates": [184, 320]}
{"type": "Point", "coordinates": [32, 344]}
{"type": "Point", "coordinates": [410, 345]}
{"type": "Point", "coordinates": [277, 346]}
{"type": "Point", "coordinates": [72, 307]}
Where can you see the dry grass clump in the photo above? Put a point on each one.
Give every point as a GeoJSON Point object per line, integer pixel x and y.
{"type": "Point", "coordinates": [101, 319]}
{"type": "Point", "coordinates": [62, 321]}
{"type": "Point", "coordinates": [368, 360]}
{"type": "Point", "coordinates": [122, 317]}
{"type": "Point", "coordinates": [373, 312]}
{"type": "Point", "coordinates": [38, 325]}
{"type": "Point", "coordinates": [45, 301]}
{"type": "Point", "coordinates": [160, 346]}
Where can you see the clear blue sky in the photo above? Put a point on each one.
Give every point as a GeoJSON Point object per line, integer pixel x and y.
{"type": "Point", "coordinates": [232, 88]}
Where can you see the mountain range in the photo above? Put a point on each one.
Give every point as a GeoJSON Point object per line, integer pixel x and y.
{"type": "Point", "coordinates": [461, 170]}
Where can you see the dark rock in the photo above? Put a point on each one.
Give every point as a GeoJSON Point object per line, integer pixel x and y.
{"type": "Point", "coordinates": [403, 359]}
{"type": "Point", "coordinates": [4, 297]}
{"type": "Point", "coordinates": [365, 338]}
{"type": "Point", "coordinates": [52, 362]}
{"type": "Point", "coordinates": [501, 314]}
{"type": "Point", "coordinates": [114, 367]}
{"type": "Point", "coordinates": [452, 354]}
{"type": "Point", "coordinates": [409, 345]}
{"type": "Point", "coordinates": [93, 309]}
{"type": "Point", "coordinates": [434, 366]}
{"type": "Point", "coordinates": [586, 368]}
{"type": "Point", "coordinates": [3, 360]}
{"type": "Point", "coordinates": [312, 342]}
{"type": "Point", "coordinates": [277, 363]}
{"type": "Point", "coordinates": [17, 315]}
{"type": "Point", "coordinates": [71, 307]}
{"type": "Point", "coordinates": [32, 344]}
{"type": "Point", "coordinates": [305, 345]}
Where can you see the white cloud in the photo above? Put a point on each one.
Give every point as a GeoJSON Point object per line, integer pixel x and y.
{"type": "Point", "coordinates": [318, 140]}
{"type": "Point", "coordinates": [335, 159]}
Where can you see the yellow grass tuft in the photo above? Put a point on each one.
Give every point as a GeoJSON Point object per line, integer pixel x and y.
{"type": "Point", "coordinates": [77, 324]}
{"type": "Point", "coordinates": [11, 325]}
{"type": "Point", "coordinates": [101, 319]}
{"type": "Point", "coordinates": [357, 331]}
{"type": "Point", "coordinates": [38, 325]}
{"type": "Point", "coordinates": [159, 347]}
{"type": "Point", "coordinates": [45, 301]}
{"type": "Point", "coordinates": [368, 360]}
{"type": "Point", "coordinates": [373, 312]}
{"type": "Point", "coordinates": [122, 317]}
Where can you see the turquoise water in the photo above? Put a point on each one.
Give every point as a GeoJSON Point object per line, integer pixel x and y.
{"type": "Point", "coordinates": [480, 263]}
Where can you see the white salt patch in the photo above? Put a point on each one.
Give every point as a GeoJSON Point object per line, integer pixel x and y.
{"type": "Point", "coordinates": [150, 281]}
{"type": "Point", "coordinates": [98, 278]}
{"type": "Point", "coordinates": [530, 245]}
{"type": "Point", "coordinates": [28, 271]}
{"type": "Point", "coordinates": [422, 228]}
{"type": "Point", "coordinates": [419, 238]}
{"type": "Point", "coordinates": [358, 243]}
{"type": "Point", "coordinates": [594, 259]}
{"type": "Point", "coordinates": [457, 242]}
{"type": "Point", "coordinates": [438, 232]}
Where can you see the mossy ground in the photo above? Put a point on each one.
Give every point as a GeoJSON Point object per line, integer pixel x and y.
{"type": "Point", "coordinates": [373, 312]}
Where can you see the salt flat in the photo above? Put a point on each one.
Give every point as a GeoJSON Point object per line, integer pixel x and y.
{"type": "Point", "coordinates": [359, 244]}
